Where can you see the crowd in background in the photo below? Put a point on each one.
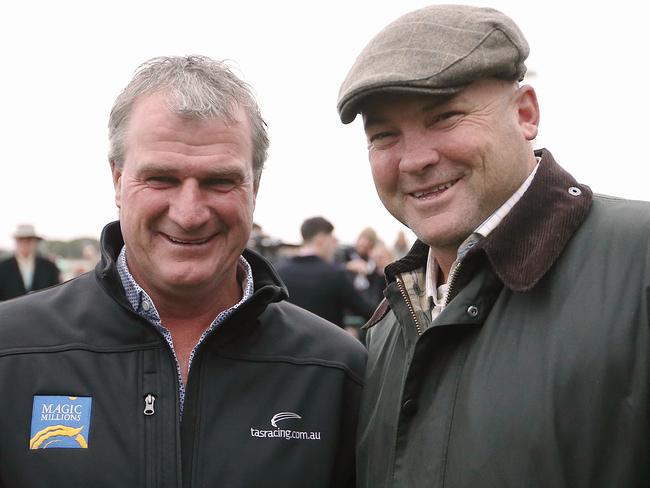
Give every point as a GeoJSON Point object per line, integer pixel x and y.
{"type": "Point", "coordinates": [342, 283]}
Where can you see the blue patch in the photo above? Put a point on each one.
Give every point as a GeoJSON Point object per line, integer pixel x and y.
{"type": "Point", "coordinates": [60, 422]}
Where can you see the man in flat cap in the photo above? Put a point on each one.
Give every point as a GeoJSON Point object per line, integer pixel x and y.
{"type": "Point", "coordinates": [513, 347]}
{"type": "Point", "coordinates": [178, 362]}
{"type": "Point", "coordinates": [26, 271]}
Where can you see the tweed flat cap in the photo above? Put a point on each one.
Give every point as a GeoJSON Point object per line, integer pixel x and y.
{"type": "Point", "coordinates": [439, 49]}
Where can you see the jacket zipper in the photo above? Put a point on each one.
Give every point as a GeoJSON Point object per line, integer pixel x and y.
{"type": "Point", "coordinates": [402, 289]}
{"type": "Point", "coordinates": [452, 281]}
{"type": "Point", "coordinates": [149, 404]}
{"type": "Point", "coordinates": [151, 445]}
{"type": "Point", "coordinates": [150, 441]}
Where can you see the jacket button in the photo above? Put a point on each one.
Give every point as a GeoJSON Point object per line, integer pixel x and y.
{"type": "Point", "coordinates": [472, 311]}
{"type": "Point", "coordinates": [409, 407]}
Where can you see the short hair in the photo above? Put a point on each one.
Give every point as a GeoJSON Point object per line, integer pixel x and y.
{"type": "Point", "coordinates": [197, 87]}
{"type": "Point", "coordinates": [313, 226]}
{"type": "Point", "coordinates": [370, 234]}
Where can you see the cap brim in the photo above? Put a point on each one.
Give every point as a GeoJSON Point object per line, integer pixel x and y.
{"type": "Point", "coordinates": [352, 104]}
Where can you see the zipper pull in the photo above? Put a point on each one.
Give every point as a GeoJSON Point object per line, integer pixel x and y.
{"type": "Point", "coordinates": [148, 404]}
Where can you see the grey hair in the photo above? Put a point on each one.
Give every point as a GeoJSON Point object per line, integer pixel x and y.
{"type": "Point", "coordinates": [198, 87]}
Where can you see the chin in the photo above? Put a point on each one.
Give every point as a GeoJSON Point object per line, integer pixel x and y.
{"type": "Point", "coordinates": [186, 279]}
{"type": "Point", "coordinates": [442, 240]}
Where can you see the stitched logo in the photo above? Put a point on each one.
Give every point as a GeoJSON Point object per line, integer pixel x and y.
{"type": "Point", "coordinates": [283, 416]}
{"type": "Point", "coordinates": [287, 434]}
{"type": "Point", "coordinates": [60, 422]}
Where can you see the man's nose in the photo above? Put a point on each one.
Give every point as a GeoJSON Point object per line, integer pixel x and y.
{"type": "Point", "coordinates": [188, 207]}
{"type": "Point", "coordinates": [420, 152]}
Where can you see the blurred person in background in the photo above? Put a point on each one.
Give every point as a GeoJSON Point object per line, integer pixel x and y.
{"type": "Point", "coordinates": [513, 347]}
{"type": "Point", "coordinates": [271, 248]}
{"type": "Point", "coordinates": [26, 271]}
{"type": "Point", "coordinates": [357, 258]}
{"type": "Point", "coordinates": [318, 284]}
{"type": "Point", "coordinates": [363, 272]}
{"type": "Point", "coordinates": [401, 246]}
{"type": "Point", "coordinates": [381, 255]}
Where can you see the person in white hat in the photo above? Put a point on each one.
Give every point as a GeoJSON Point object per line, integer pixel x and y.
{"type": "Point", "coordinates": [26, 271]}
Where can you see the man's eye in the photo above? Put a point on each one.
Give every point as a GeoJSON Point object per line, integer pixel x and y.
{"type": "Point", "coordinates": [381, 139]}
{"type": "Point", "coordinates": [160, 180]}
{"type": "Point", "coordinates": [380, 135]}
{"type": "Point", "coordinates": [220, 184]}
{"type": "Point", "coordinates": [446, 117]}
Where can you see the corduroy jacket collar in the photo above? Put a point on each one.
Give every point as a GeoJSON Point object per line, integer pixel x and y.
{"type": "Point", "coordinates": [532, 236]}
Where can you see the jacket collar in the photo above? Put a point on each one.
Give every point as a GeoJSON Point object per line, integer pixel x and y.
{"type": "Point", "coordinates": [267, 284]}
{"type": "Point", "coordinates": [532, 236]}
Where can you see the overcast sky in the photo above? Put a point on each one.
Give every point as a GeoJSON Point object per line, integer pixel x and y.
{"type": "Point", "coordinates": [65, 62]}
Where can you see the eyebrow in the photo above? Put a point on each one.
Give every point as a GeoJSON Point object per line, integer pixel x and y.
{"type": "Point", "coordinates": [171, 170]}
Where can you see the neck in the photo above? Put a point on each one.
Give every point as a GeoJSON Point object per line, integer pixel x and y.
{"type": "Point", "coordinates": [312, 250]}
{"type": "Point", "coordinates": [187, 316]}
{"type": "Point", "coordinates": [444, 259]}
{"type": "Point", "coordinates": [197, 305]}
{"type": "Point", "coordinates": [196, 301]}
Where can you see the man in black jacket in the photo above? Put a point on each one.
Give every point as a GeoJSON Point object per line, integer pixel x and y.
{"type": "Point", "coordinates": [177, 363]}
{"type": "Point", "coordinates": [316, 283]}
{"type": "Point", "coordinates": [513, 347]}
{"type": "Point", "coordinates": [26, 271]}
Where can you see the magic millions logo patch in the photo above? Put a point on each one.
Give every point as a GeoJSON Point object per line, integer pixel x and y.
{"type": "Point", "coordinates": [60, 422]}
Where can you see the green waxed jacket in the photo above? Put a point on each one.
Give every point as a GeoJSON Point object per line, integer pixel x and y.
{"type": "Point", "coordinates": [537, 372]}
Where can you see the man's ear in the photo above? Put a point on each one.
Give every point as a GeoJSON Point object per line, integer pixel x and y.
{"type": "Point", "coordinates": [116, 171]}
{"type": "Point", "coordinates": [527, 111]}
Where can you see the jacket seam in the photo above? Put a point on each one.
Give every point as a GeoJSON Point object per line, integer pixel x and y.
{"type": "Point", "coordinates": [78, 347]}
{"type": "Point", "coordinates": [296, 361]}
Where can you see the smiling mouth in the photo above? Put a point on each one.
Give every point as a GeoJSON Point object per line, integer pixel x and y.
{"type": "Point", "coordinates": [187, 242]}
{"type": "Point", "coordinates": [435, 191]}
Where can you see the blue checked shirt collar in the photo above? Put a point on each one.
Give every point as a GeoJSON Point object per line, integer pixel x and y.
{"type": "Point", "coordinates": [144, 306]}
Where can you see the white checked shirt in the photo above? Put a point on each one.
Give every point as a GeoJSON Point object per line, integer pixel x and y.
{"type": "Point", "coordinates": [438, 293]}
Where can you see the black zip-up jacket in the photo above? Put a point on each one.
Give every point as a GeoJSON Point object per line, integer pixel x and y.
{"type": "Point", "coordinates": [89, 392]}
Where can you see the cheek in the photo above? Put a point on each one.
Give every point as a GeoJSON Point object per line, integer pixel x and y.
{"type": "Point", "coordinates": [384, 173]}
{"type": "Point", "coordinates": [236, 210]}
{"type": "Point", "coordinates": [141, 206]}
